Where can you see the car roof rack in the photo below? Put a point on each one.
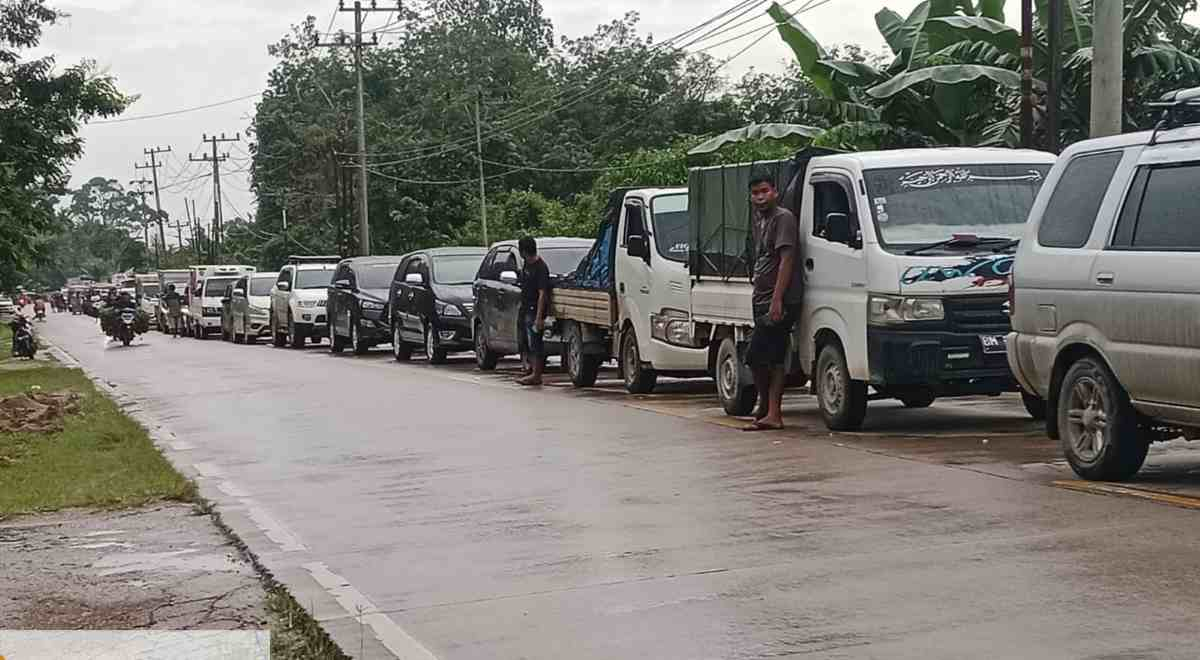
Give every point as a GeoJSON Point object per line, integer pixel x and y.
{"type": "Point", "coordinates": [1176, 105]}
{"type": "Point", "coordinates": [306, 259]}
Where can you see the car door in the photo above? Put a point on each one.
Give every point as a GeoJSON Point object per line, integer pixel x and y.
{"type": "Point", "coordinates": [238, 306]}
{"type": "Point", "coordinates": [336, 304]}
{"type": "Point", "coordinates": [398, 297]}
{"type": "Point", "coordinates": [1148, 279]}
{"type": "Point", "coordinates": [422, 303]}
{"type": "Point", "coordinates": [483, 294]}
{"type": "Point", "coordinates": [508, 302]}
{"type": "Point", "coordinates": [633, 273]}
{"type": "Point", "coordinates": [835, 271]}
{"type": "Point", "coordinates": [279, 297]}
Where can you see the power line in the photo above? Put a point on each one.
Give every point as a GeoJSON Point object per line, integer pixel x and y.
{"type": "Point", "coordinates": [172, 113]}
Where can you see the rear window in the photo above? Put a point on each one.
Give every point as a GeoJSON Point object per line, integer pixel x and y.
{"type": "Point", "coordinates": [1169, 214]}
{"type": "Point", "coordinates": [261, 286]}
{"type": "Point", "coordinates": [1071, 212]}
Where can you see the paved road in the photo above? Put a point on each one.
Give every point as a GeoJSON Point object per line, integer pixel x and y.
{"type": "Point", "coordinates": [437, 512]}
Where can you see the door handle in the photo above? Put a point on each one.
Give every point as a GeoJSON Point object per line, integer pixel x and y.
{"type": "Point", "coordinates": [808, 265]}
{"type": "Point", "coordinates": [622, 287]}
{"type": "Point", "coordinates": [645, 289]}
{"type": "Point", "coordinates": [1106, 279]}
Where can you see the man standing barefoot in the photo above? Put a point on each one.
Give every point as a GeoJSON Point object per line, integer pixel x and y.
{"type": "Point", "coordinates": [535, 302]}
{"type": "Point", "coordinates": [777, 295]}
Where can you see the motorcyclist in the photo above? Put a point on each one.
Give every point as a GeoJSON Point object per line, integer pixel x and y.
{"type": "Point", "coordinates": [19, 325]}
{"type": "Point", "coordinates": [39, 308]}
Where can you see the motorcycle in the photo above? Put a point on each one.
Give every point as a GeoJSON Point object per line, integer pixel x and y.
{"type": "Point", "coordinates": [124, 323]}
{"type": "Point", "coordinates": [23, 342]}
{"type": "Point", "coordinates": [39, 310]}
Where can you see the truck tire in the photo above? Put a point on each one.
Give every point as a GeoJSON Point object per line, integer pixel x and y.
{"type": "Point", "coordinates": [295, 337]}
{"type": "Point", "coordinates": [581, 367]}
{"type": "Point", "coordinates": [357, 343]}
{"type": "Point", "coordinates": [639, 379]}
{"type": "Point", "coordinates": [1098, 425]}
{"type": "Point", "coordinates": [843, 401]}
{"type": "Point", "coordinates": [737, 398]}
{"type": "Point", "coordinates": [278, 339]}
{"type": "Point", "coordinates": [485, 357]}
{"type": "Point", "coordinates": [1034, 405]}
{"type": "Point", "coordinates": [435, 354]}
{"type": "Point", "coordinates": [400, 350]}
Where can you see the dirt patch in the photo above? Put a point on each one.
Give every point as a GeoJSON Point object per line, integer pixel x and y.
{"type": "Point", "coordinates": [162, 567]}
{"type": "Point", "coordinates": [37, 412]}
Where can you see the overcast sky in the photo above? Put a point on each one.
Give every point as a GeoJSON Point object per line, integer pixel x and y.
{"type": "Point", "coordinates": [179, 54]}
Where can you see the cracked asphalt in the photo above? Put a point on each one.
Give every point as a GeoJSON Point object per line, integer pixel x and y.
{"type": "Point", "coordinates": [424, 511]}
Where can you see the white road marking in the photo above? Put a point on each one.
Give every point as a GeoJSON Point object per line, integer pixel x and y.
{"type": "Point", "coordinates": [392, 636]}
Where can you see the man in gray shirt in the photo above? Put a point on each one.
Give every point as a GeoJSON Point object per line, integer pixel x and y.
{"type": "Point", "coordinates": [777, 295]}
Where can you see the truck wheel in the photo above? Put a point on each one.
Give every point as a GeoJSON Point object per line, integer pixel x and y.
{"type": "Point", "coordinates": [1034, 405]}
{"type": "Point", "coordinates": [485, 358]}
{"type": "Point", "coordinates": [336, 345]}
{"type": "Point", "coordinates": [639, 379]}
{"type": "Point", "coordinates": [278, 339]}
{"type": "Point", "coordinates": [918, 399]}
{"type": "Point", "coordinates": [1100, 434]}
{"type": "Point", "coordinates": [581, 367]}
{"type": "Point", "coordinates": [400, 350]}
{"type": "Point", "coordinates": [737, 398]}
{"type": "Point", "coordinates": [843, 400]}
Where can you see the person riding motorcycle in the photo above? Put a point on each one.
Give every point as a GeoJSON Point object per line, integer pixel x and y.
{"type": "Point", "coordinates": [39, 308]}
{"type": "Point", "coordinates": [23, 342]}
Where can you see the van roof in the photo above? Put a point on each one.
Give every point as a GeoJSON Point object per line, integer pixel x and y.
{"type": "Point", "coordinates": [1141, 138]}
{"type": "Point", "coordinates": [554, 242]}
{"type": "Point", "coordinates": [939, 156]}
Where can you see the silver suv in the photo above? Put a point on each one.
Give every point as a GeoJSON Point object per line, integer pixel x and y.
{"type": "Point", "coordinates": [1106, 295]}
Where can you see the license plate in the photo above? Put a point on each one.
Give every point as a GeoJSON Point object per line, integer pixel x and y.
{"type": "Point", "coordinates": [993, 344]}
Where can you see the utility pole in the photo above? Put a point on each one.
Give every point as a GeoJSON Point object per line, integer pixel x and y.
{"type": "Point", "coordinates": [1027, 74]}
{"type": "Point", "coordinates": [216, 160]}
{"type": "Point", "coordinates": [1054, 86]}
{"type": "Point", "coordinates": [141, 193]}
{"type": "Point", "coordinates": [153, 167]}
{"type": "Point", "coordinates": [1108, 41]}
{"type": "Point", "coordinates": [479, 157]}
{"type": "Point", "coordinates": [199, 240]}
{"type": "Point", "coordinates": [364, 227]}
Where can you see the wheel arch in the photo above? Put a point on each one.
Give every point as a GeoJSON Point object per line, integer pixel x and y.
{"type": "Point", "coordinates": [1067, 355]}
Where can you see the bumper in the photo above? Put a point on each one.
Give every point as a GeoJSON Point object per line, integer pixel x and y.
{"type": "Point", "coordinates": [210, 322]}
{"type": "Point", "coordinates": [455, 334]}
{"type": "Point", "coordinates": [375, 330]}
{"type": "Point", "coordinates": [260, 325]}
{"type": "Point", "coordinates": [949, 363]}
{"type": "Point", "coordinates": [668, 357]}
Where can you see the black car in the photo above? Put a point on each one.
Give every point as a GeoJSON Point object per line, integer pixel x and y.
{"type": "Point", "coordinates": [432, 300]}
{"type": "Point", "coordinates": [357, 303]}
{"type": "Point", "coordinates": [496, 322]}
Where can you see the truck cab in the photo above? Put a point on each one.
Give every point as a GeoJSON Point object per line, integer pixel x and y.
{"type": "Point", "coordinates": [204, 297]}
{"type": "Point", "coordinates": [906, 256]}
{"type": "Point", "coordinates": [630, 298]}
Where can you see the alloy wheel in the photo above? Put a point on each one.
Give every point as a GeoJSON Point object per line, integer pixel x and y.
{"type": "Point", "coordinates": [1087, 417]}
{"type": "Point", "coordinates": [832, 389]}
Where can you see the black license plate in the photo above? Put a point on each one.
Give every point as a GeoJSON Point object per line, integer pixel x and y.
{"type": "Point", "coordinates": [993, 344]}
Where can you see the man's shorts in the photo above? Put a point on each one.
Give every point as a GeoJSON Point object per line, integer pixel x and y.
{"type": "Point", "coordinates": [534, 344]}
{"type": "Point", "coordinates": [769, 341]}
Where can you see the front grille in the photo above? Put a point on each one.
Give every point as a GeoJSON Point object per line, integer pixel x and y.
{"type": "Point", "coordinates": [979, 314]}
{"type": "Point", "coordinates": [468, 307]}
{"type": "Point", "coordinates": [320, 319]}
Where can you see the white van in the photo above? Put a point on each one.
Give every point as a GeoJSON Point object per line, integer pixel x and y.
{"type": "Point", "coordinates": [208, 284]}
{"type": "Point", "coordinates": [906, 256]}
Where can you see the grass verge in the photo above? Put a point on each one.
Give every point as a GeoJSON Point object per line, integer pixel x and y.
{"type": "Point", "coordinates": [101, 458]}
{"type": "Point", "coordinates": [5, 340]}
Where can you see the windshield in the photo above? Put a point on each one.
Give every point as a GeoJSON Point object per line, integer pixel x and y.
{"type": "Point", "coordinates": [216, 286]}
{"type": "Point", "coordinates": [375, 276]}
{"type": "Point", "coordinates": [670, 213]}
{"type": "Point", "coordinates": [313, 278]}
{"type": "Point", "coordinates": [176, 278]}
{"type": "Point", "coordinates": [918, 206]}
{"type": "Point", "coordinates": [456, 269]}
{"type": "Point", "coordinates": [150, 290]}
{"type": "Point", "coordinates": [563, 260]}
{"type": "Point", "coordinates": [261, 286]}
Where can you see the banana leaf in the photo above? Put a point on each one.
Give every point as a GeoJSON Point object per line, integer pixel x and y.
{"type": "Point", "coordinates": [756, 132]}
{"type": "Point", "coordinates": [949, 74]}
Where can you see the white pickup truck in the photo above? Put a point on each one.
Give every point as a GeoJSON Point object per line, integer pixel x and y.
{"type": "Point", "coordinates": [906, 256]}
{"type": "Point", "coordinates": [629, 298]}
{"type": "Point", "coordinates": [207, 287]}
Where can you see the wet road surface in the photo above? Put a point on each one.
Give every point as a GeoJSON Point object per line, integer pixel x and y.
{"type": "Point", "coordinates": [439, 512]}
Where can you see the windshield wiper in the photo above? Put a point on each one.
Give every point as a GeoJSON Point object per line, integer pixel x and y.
{"type": "Point", "coordinates": [961, 241]}
{"type": "Point", "coordinates": [1005, 247]}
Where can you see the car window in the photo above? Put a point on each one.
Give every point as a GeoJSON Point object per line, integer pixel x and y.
{"type": "Point", "coordinates": [284, 275]}
{"type": "Point", "coordinates": [506, 260]}
{"type": "Point", "coordinates": [830, 195]}
{"type": "Point", "coordinates": [1071, 213]}
{"type": "Point", "coordinates": [485, 268]}
{"type": "Point", "coordinates": [373, 275]}
{"type": "Point", "coordinates": [564, 260]}
{"type": "Point", "coordinates": [455, 268]}
{"type": "Point", "coordinates": [633, 223]}
{"type": "Point", "coordinates": [260, 286]}
{"type": "Point", "coordinates": [216, 287]}
{"type": "Point", "coordinates": [1169, 214]}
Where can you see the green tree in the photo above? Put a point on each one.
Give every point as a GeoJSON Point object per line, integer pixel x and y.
{"type": "Point", "coordinates": [42, 108]}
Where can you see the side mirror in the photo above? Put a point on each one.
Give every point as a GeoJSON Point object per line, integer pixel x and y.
{"type": "Point", "coordinates": [414, 278]}
{"type": "Point", "coordinates": [239, 293]}
{"type": "Point", "coordinates": [283, 286]}
{"type": "Point", "coordinates": [837, 228]}
{"type": "Point", "coordinates": [508, 277]}
{"type": "Point", "coordinates": [344, 285]}
{"type": "Point", "coordinates": [638, 246]}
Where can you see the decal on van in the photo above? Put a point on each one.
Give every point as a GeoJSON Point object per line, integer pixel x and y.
{"type": "Point", "coordinates": [948, 176]}
{"type": "Point", "coordinates": [983, 272]}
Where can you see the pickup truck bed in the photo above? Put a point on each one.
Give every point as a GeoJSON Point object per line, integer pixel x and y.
{"type": "Point", "coordinates": [590, 306]}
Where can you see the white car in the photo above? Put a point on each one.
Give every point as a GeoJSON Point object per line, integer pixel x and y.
{"type": "Point", "coordinates": [7, 308]}
{"type": "Point", "coordinates": [298, 300]}
{"type": "Point", "coordinates": [204, 301]}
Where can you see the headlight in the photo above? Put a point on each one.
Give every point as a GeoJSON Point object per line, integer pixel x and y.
{"type": "Point", "coordinates": [888, 310]}
{"type": "Point", "coordinates": [672, 326]}
{"type": "Point", "coordinates": [449, 311]}
{"type": "Point", "coordinates": [372, 305]}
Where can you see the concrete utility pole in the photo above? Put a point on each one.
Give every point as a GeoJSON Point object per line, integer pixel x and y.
{"type": "Point", "coordinates": [153, 167]}
{"type": "Point", "coordinates": [482, 184]}
{"type": "Point", "coordinates": [1108, 47]}
{"type": "Point", "coordinates": [1054, 86]}
{"type": "Point", "coordinates": [357, 43]}
{"type": "Point", "coordinates": [141, 193]}
{"type": "Point", "coordinates": [1027, 74]}
{"type": "Point", "coordinates": [216, 160]}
